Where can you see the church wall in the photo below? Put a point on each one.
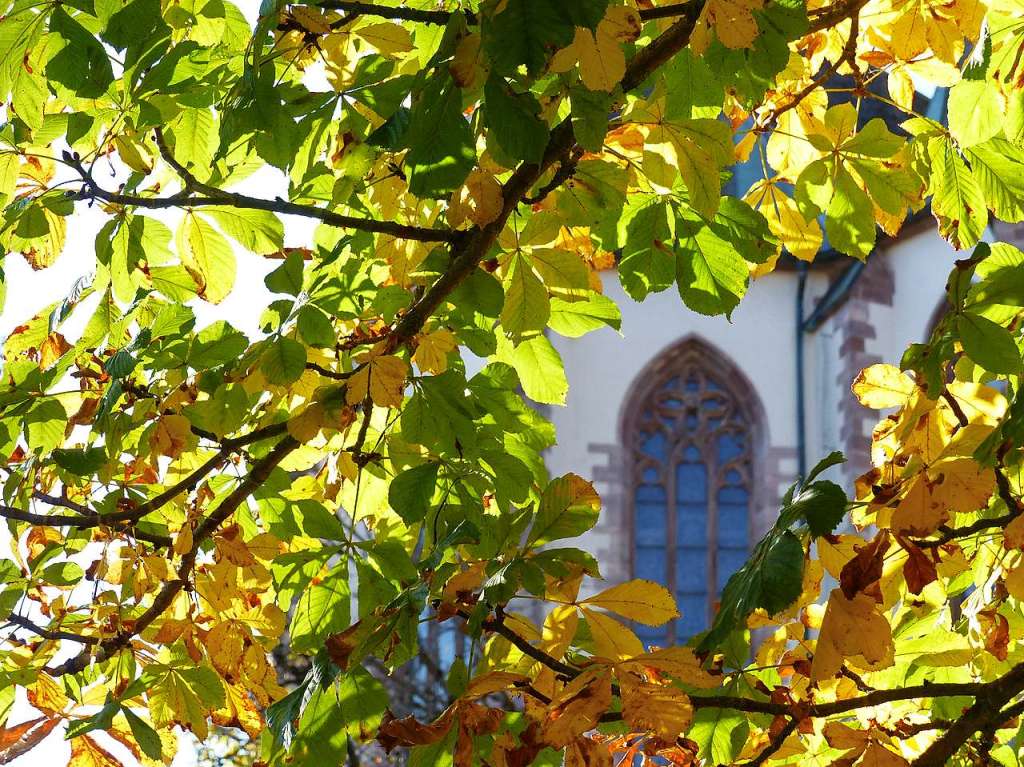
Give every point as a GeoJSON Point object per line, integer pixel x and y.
{"type": "Point", "coordinates": [891, 305]}
{"type": "Point", "coordinates": [603, 367]}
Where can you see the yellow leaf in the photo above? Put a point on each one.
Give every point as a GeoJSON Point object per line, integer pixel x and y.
{"type": "Point", "coordinates": [306, 425]}
{"type": "Point", "coordinates": [800, 236]}
{"type": "Point", "coordinates": [662, 709]}
{"type": "Point", "coordinates": [85, 752]}
{"type": "Point", "coordinates": [479, 200]}
{"type": "Point", "coordinates": [382, 378]}
{"type": "Point", "coordinates": [587, 752]}
{"type": "Point", "coordinates": [1014, 581]}
{"type": "Point", "coordinates": [494, 681]}
{"type": "Point", "coordinates": [732, 21]}
{"type": "Point", "coordinates": [560, 629]}
{"type": "Point", "coordinates": [883, 386]}
{"type": "Point", "coordinates": [47, 695]}
{"type": "Point", "coordinates": [679, 663]}
{"type": "Point", "coordinates": [386, 37]}
{"type": "Point", "coordinates": [612, 640]}
{"type": "Point", "coordinates": [226, 643]}
{"type": "Point", "coordinates": [311, 19]}
{"type": "Point", "coordinates": [183, 540]}
{"type": "Point", "coordinates": [854, 630]}
{"type": "Point", "coordinates": [432, 351]}
{"type": "Point", "coordinates": [599, 53]}
{"type": "Point", "coordinates": [1013, 535]}
{"type": "Point", "coordinates": [239, 710]}
{"type": "Point", "coordinates": [921, 511]}
{"type": "Point", "coordinates": [467, 67]}
{"type": "Point", "coordinates": [172, 435]}
{"type": "Point", "coordinates": [963, 484]}
{"type": "Point", "coordinates": [643, 601]}
{"type": "Point", "coordinates": [231, 547]}
{"type": "Point", "coordinates": [51, 350]}
{"type": "Point", "coordinates": [980, 403]}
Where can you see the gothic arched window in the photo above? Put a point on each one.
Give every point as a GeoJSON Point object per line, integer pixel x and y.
{"type": "Point", "coordinates": [690, 434]}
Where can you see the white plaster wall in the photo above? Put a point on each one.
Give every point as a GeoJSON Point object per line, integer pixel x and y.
{"type": "Point", "coordinates": [602, 367]}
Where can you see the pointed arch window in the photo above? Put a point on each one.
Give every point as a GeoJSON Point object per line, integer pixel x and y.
{"type": "Point", "coordinates": [690, 435]}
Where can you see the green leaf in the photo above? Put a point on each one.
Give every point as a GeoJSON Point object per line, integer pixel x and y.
{"type": "Point", "coordinates": [719, 733]}
{"type": "Point", "coordinates": [45, 424]}
{"type": "Point", "coordinates": [315, 328]}
{"type": "Point", "coordinates": [442, 149]}
{"type": "Point", "coordinates": [527, 32]}
{"type": "Point", "coordinates": [82, 64]}
{"type": "Point", "coordinates": [849, 219]}
{"type": "Point", "coordinates": [63, 574]}
{"type": "Point", "coordinates": [82, 462]}
{"type": "Point", "coordinates": [712, 276]}
{"type": "Point", "coordinates": [183, 695]}
{"type": "Point", "coordinates": [283, 361]}
{"type": "Point", "coordinates": [576, 318]}
{"type": "Point", "coordinates": [745, 229]}
{"type": "Point", "coordinates": [539, 367]}
{"type": "Point", "coordinates": [823, 506]}
{"type": "Point", "coordinates": [526, 307]}
{"type": "Point", "coordinates": [322, 609]}
{"type": "Point", "coordinates": [208, 258]}
{"type": "Point", "coordinates": [569, 506]}
{"type": "Point", "coordinates": [957, 200]}
{"type": "Point", "coordinates": [646, 264]}
{"type": "Point", "coordinates": [514, 122]}
{"type": "Point", "coordinates": [145, 736]}
{"type": "Point", "coordinates": [101, 720]}
{"type": "Point", "coordinates": [192, 138]}
{"type": "Point", "coordinates": [411, 491]}
{"type": "Point", "coordinates": [216, 344]}
{"type": "Point", "coordinates": [988, 344]}
{"type": "Point", "coordinates": [287, 278]}
{"type": "Point", "coordinates": [259, 231]}
{"type": "Point", "coordinates": [998, 167]}
{"type": "Point", "coordinates": [590, 113]}
{"type": "Point", "coordinates": [975, 112]}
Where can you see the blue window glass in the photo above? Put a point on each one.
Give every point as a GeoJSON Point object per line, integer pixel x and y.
{"type": "Point", "coordinates": [691, 500]}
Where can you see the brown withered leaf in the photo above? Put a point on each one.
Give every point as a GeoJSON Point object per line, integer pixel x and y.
{"type": "Point", "coordinates": [866, 567]}
{"type": "Point", "coordinates": [919, 569]}
{"type": "Point", "coordinates": [996, 630]}
{"type": "Point", "coordinates": [578, 708]}
{"type": "Point", "coordinates": [22, 738]}
{"type": "Point", "coordinates": [412, 732]}
{"type": "Point", "coordinates": [585, 752]}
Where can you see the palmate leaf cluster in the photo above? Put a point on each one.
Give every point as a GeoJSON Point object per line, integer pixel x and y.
{"type": "Point", "coordinates": [460, 184]}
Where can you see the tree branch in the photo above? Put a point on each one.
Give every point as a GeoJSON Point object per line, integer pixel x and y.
{"type": "Point", "coordinates": [165, 597]}
{"type": "Point", "coordinates": [986, 712]}
{"type": "Point", "coordinates": [212, 196]}
{"type": "Point", "coordinates": [52, 634]}
{"type": "Point", "coordinates": [402, 13]}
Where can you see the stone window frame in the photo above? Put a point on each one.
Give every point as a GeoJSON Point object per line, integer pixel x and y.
{"type": "Point", "coordinates": [688, 353]}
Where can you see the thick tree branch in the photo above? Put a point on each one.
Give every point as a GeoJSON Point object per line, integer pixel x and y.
{"type": "Point", "coordinates": [402, 13]}
{"type": "Point", "coordinates": [984, 714]}
{"type": "Point", "coordinates": [211, 196]}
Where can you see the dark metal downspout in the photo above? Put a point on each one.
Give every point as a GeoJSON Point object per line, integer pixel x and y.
{"type": "Point", "coordinates": [832, 301]}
